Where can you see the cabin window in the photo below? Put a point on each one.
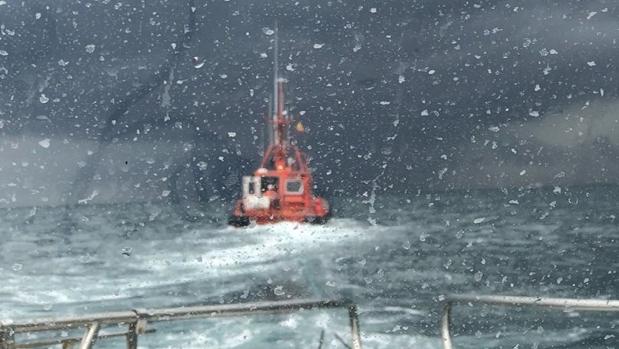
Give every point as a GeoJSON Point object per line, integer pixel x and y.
{"type": "Point", "coordinates": [266, 181]}
{"type": "Point", "coordinates": [294, 186]}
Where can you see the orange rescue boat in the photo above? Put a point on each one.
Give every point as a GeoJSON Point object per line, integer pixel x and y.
{"type": "Point", "coordinates": [281, 189]}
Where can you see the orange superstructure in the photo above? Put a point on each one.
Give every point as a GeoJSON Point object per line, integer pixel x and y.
{"type": "Point", "coordinates": [281, 189]}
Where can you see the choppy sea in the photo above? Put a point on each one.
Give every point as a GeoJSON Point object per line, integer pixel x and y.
{"type": "Point", "coordinates": [395, 256]}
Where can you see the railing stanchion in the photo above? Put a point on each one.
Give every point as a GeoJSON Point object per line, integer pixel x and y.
{"type": "Point", "coordinates": [132, 336]}
{"type": "Point", "coordinates": [90, 337]}
{"type": "Point", "coordinates": [354, 326]}
{"type": "Point", "coordinates": [445, 323]}
{"type": "Point", "coordinates": [7, 338]}
{"type": "Point", "coordinates": [321, 341]}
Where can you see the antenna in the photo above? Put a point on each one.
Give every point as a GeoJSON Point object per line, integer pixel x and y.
{"type": "Point", "coordinates": [275, 79]}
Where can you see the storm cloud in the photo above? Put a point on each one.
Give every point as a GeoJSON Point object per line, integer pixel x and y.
{"type": "Point", "coordinates": [395, 95]}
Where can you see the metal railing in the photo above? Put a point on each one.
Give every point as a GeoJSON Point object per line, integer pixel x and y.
{"type": "Point", "coordinates": [136, 321]}
{"type": "Point", "coordinates": [565, 304]}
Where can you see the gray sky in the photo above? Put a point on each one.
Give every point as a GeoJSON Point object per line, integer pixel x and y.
{"type": "Point", "coordinates": [405, 94]}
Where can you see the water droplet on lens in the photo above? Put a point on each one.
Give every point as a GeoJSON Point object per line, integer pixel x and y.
{"type": "Point", "coordinates": [279, 291]}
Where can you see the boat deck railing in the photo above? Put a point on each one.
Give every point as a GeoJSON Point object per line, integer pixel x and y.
{"type": "Point", "coordinates": [136, 322]}
{"type": "Point", "coordinates": [565, 304]}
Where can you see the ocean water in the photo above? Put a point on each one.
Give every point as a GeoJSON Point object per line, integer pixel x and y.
{"type": "Point", "coordinates": [396, 256]}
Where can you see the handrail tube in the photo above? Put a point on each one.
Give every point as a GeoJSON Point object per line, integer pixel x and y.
{"type": "Point", "coordinates": [71, 322]}
{"type": "Point", "coordinates": [137, 318]}
{"type": "Point", "coordinates": [62, 340]}
{"type": "Point", "coordinates": [170, 314]}
{"type": "Point", "coordinates": [234, 309]}
{"type": "Point", "coordinates": [568, 304]}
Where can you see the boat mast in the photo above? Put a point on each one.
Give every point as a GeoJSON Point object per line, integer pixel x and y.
{"type": "Point", "coordinates": [274, 124]}
{"type": "Point", "coordinates": [278, 130]}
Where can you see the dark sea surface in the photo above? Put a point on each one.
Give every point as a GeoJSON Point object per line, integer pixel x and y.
{"type": "Point", "coordinates": [397, 257]}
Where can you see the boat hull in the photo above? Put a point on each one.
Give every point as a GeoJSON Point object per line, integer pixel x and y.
{"type": "Point", "coordinates": [317, 213]}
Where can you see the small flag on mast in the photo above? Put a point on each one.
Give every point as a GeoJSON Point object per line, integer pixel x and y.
{"type": "Point", "coordinates": [299, 127]}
